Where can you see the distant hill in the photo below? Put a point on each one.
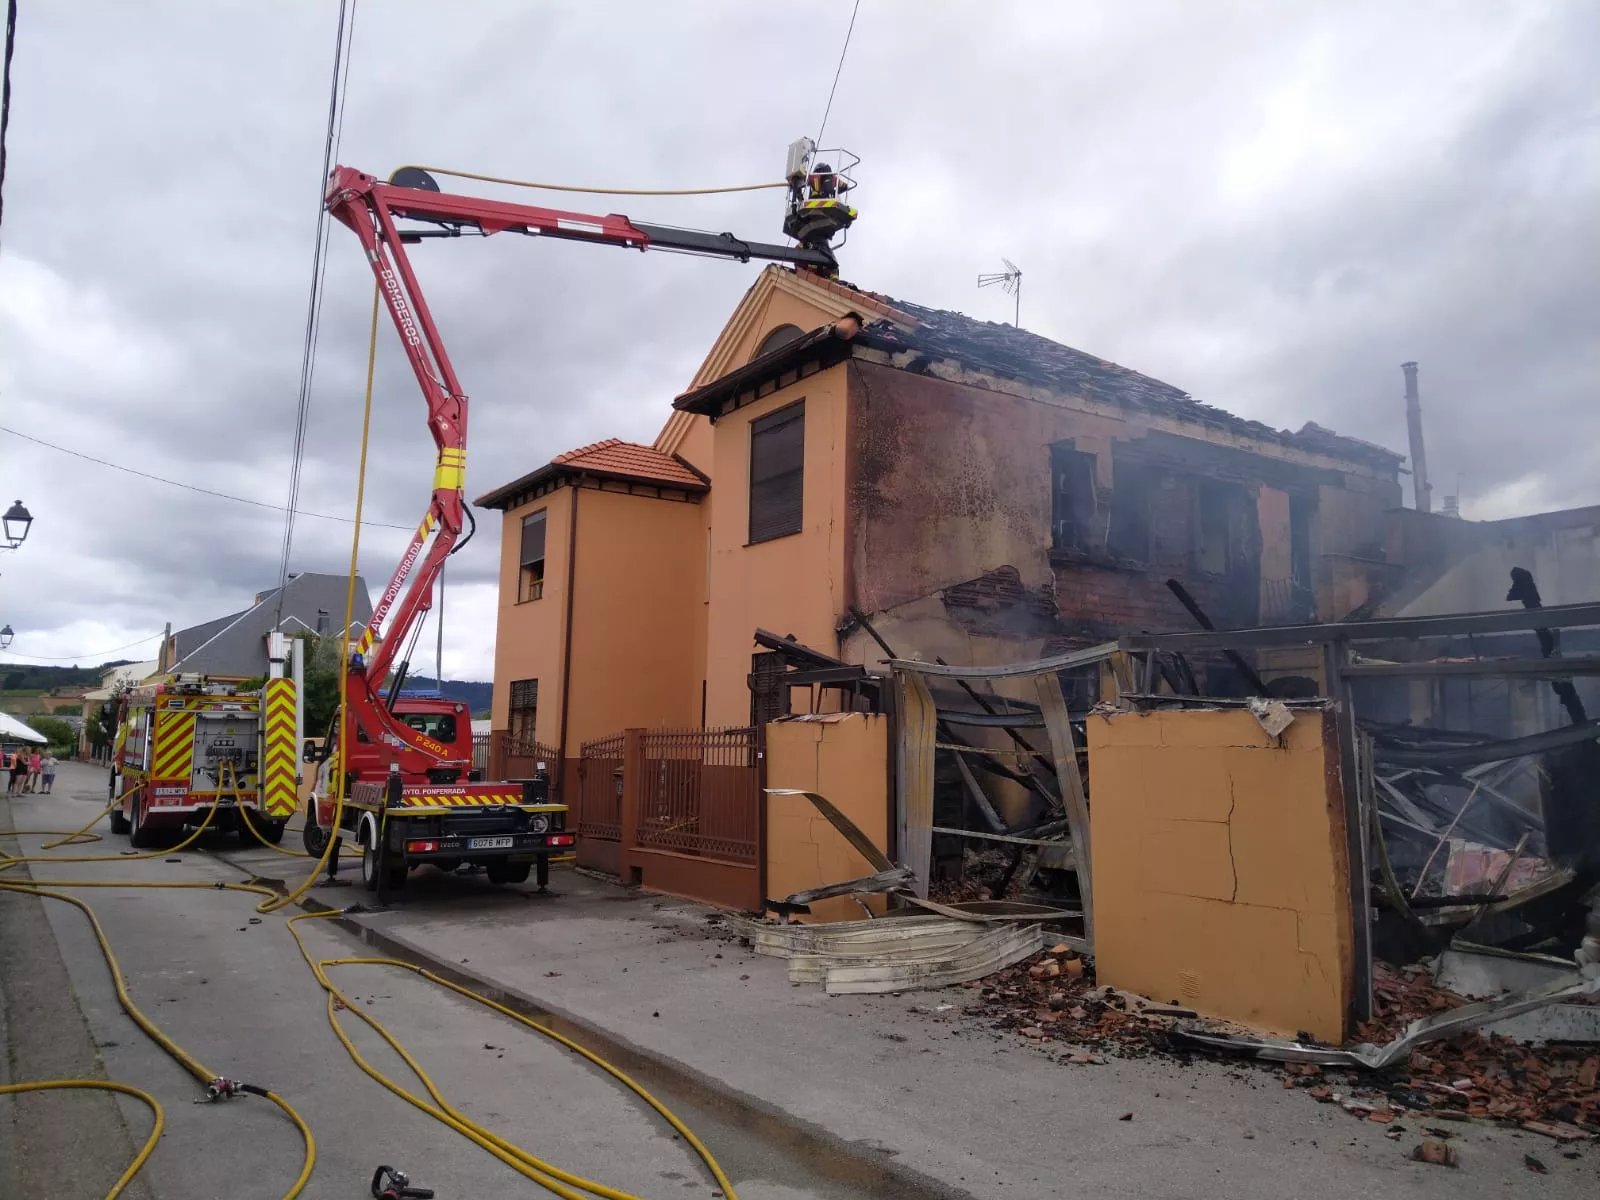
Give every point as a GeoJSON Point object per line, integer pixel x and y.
{"type": "Point", "coordinates": [477, 696]}
{"type": "Point", "coordinates": [14, 677]}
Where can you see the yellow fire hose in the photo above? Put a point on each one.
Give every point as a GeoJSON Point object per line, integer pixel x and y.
{"type": "Point", "coordinates": [102, 1085]}
{"type": "Point", "coordinates": [547, 1175]}
{"type": "Point", "coordinates": [216, 1085]}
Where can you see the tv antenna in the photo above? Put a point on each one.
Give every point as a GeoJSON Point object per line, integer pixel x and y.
{"type": "Point", "coordinates": [1010, 281]}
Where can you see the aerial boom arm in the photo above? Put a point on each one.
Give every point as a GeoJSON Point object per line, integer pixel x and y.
{"type": "Point", "coordinates": [370, 207]}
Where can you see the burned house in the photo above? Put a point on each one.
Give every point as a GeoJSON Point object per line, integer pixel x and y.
{"type": "Point", "coordinates": [979, 492]}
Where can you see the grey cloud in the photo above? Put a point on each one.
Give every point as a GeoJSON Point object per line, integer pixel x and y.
{"type": "Point", "coordinates": [1268, 205]}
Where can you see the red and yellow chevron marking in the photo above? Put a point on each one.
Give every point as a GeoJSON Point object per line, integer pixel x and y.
{"type": "Point", "coordinates": [173, 754]}
{"type": "Point", "coordinates": [277, 777]}
{"type": "Point", "coordinates": [472, 801]}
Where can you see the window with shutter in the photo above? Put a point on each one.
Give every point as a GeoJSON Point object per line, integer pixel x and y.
{"type": "Point", "coordinates": [777, 473]}
{"type": "Point", "coordinates": [530, 572]}
{"type": "Point", "coordinates": [524, 711]}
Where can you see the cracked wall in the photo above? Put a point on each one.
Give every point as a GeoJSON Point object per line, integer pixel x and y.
{"type": "Point", "coordinates": [844, 757]}
{"type": "Point", "coordinates": [1220, 872]}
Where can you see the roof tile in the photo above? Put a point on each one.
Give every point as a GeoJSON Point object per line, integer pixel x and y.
{"type": "Point", "coordinates": [616, 457]}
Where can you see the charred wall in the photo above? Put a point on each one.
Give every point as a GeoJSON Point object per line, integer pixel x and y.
{"type": "Point", "coordinates": [1031, 521]}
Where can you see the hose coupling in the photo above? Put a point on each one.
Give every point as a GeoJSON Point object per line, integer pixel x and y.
{"type": "Point", "coordinates": [221, 1088]}
{"type": "Point", "coordinates": [388, 1183]}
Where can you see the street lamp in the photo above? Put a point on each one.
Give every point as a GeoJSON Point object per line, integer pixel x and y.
{"type": "Point", "coordinates": [5, 638]}
{"type": "Point", "coordinates": [16, 521]}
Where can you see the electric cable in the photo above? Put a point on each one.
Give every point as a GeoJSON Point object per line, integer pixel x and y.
{"type": "Point", "coordinates": [189, 487]}
{"type": "Point", "coordinates": [839, 70]}
{"type": "Point", "coordinates": [5, 92]}
{"type": "Point", "coordinates": [275, 903]}
{"type": "Point", "coordinates": [88, 654]}
{"type": "Point", "coordinates": [594, 191]}
{"type": "Point", "coordinates": [308, 351]}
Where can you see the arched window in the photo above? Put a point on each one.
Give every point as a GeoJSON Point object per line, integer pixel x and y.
{"type": "Point", "coordinates": [781, 336]}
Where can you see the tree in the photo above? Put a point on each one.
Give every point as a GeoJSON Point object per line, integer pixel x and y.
{"type": "Point", "coordinates": [66, 710]}
{"type": "Point", "coordinates": [321, 681]}
{"type": "Point", "coordinates": [14, 681]}
{"type": "Point", "coordinates": [62, 738]}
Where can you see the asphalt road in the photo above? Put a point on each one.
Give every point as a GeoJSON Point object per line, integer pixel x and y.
{"type": "Point", "coordinates": [233, 990]}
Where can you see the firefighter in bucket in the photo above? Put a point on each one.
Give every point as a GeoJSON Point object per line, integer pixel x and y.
{"type": "Point", "coordinates": [817, 209]}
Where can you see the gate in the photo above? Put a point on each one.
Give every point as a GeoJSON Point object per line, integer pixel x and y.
{"type": "Point", "coordinates": [676, 811]}
{"type": "Point", "coordinates": [600, 804]}
{"type": "Point", "coordinates": [701, 793]}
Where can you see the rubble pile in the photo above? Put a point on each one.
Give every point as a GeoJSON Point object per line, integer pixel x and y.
{"type": "Point", "coordinates": [1471, 1074]}
{"type": "Point", "coordinates": [1552, 1089]}
{"type": "Point", "coordinates": [1052, 997]}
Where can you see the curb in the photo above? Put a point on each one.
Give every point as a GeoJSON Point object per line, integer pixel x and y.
{"type": "Point", "coordinates": [826, 1154]}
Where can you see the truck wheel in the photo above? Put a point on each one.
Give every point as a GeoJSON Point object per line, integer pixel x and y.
{"type": "Point", "coordinates": [501, 871]}
{"type": "Point", "coordinates": [119, 821]}
{"type": "Point", "coordinates": [140, 836]}
{"type": "Point", "coordinates": [313, 836]}
{"type": "Point", "coordinates": [270, 831]}
{"type": "Point", "coordinates": [369, 867]}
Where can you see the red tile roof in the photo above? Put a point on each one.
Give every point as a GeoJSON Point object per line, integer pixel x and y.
{"type": "Point", "coordinates": [617, 457]}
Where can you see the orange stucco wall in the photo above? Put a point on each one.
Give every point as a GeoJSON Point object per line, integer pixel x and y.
{"type": "Point", "coordinates": [844, 758]}
{"type": "Point", "coordinates": [640, 587]}
{"type": "Point", "coordinates": [529, 636]}
{"type": "Point", "coordinates": [790, 585]}
{"type": "Point", "coordinates": [1220, 872]}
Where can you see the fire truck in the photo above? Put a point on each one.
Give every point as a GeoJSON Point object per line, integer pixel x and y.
{"type": "Point", "coordinates": [413, 798]}
{"type": "Point", "coordinates": [184, 745]}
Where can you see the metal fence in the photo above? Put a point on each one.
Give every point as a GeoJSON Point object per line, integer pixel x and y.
{"type": "Point", "coordinates": [600, 789]}
{"type": "Point", "coordinates": [480, 751]}
{"type": "Point", "coordinates": [700, 792]}
{"type": "Point", "coordinates": [518, 759]}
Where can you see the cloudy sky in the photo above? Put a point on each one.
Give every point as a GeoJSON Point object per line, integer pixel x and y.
{"type": "Point", "coordinates": [1270, 205]}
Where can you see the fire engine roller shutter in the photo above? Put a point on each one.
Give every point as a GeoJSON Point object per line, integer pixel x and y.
{"type": "Point", "coordinates": [278, 777]}
{"type": "Point", "coordinates": [173, 756]}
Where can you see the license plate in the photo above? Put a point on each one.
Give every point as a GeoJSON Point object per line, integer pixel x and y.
{"type": "Point", "coordinates": [491, 843]}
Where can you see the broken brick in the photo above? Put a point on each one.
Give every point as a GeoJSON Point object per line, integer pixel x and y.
{"type": "Point", "coordinates": [1440, 1154]}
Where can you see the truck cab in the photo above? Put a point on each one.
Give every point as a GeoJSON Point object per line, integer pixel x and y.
{"type": "Point", "coordinates": [447, 722]}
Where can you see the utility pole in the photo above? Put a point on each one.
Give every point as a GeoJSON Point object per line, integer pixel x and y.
{"type": "Point", "coordinates": [1419, 457]}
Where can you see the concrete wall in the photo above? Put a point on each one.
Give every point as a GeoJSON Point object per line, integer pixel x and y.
{"type": "Point", "coordinates": [1220, 873]}
{"type": "Point", "coordinates": [846, 759]}
{"type": "Point", "coordinates": [530, 636]}
{"type": "Point", "coordinates": [789, 585]}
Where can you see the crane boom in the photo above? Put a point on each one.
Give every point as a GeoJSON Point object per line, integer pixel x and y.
{"type": "Point", "coordinates": [370, 208]}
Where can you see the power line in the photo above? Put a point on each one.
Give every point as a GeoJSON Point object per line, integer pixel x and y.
{"type": "Point", "coordinates": [308, 352]}
{"type": "Point", "coordinates": [188, 487]}
{"type": "Point", "coordinates": [837, 71]}
{"type": "Point", "coordinates": [91, 654]}
{"type": "Point", "coordinates": [5, 92]}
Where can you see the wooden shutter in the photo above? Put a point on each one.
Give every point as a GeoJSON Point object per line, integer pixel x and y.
{"type": "Point", "coordinates": [533, 538]}
{"type": "Point", "coordinates": [777, 472]}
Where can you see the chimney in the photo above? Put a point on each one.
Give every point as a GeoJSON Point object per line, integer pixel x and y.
{"type": "Point", "coordinates": [1419, 457]}
{"type": "Point", "coordinates": [322, 621]}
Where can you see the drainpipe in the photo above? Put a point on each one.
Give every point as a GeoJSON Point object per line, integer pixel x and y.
{"type": "Point", "coordinates": [1419, 458]}
{"type": "Point", "coordinates": [566, 642]}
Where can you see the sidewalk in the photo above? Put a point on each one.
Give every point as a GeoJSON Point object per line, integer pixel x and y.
{"type": "Point", "coordinates": [940, 1096]}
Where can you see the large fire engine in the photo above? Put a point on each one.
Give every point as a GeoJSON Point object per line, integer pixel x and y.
{"type": "Point", "coordinates": [184, 746]}
{"type": "Point", "coordinates": [425, 806]}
